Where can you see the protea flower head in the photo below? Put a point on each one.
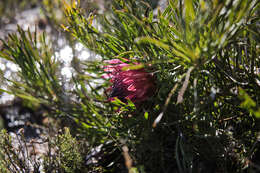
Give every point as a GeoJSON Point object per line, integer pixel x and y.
{"type": "Point", "coordinates": [136, 85]}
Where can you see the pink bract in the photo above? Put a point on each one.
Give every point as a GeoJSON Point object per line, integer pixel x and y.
{"type": "Point", "coordinates": [136, 85]}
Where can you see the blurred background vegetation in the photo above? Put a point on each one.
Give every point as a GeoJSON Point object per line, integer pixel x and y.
{"type": "Point", "coordinates": [204, 116]}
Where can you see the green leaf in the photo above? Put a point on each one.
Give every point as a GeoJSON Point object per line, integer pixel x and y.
{"type": "Point", "coordinates": [29, 98]}
{"type": "Point", "coordinates": [257, 113]}
{"type": "Point", "coordinates": [189, 10]}
{"type": "Point", "coordinates": [154, 41]}
{"type": "Point", "coordinates": [133, 67]}
{"type": "Point", "coordinates": [247, 103]}
{"type": "Point", "coordinates": [146, 114]}
{"type": "Point", "coordinates": [118, 102]}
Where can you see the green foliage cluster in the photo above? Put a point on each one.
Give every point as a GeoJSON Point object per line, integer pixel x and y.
{"type": "Point", "coordinates": [6, 149]}
{"type": "Point", "coordinates": [38, 69]}
{"type": "Point", "coordinates": [64, 154]}
{"type": "Point", "coordinates": [205, 59]}
{"type": "Point", "coordinates": [16, 157]}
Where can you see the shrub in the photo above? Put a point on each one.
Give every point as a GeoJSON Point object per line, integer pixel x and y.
{"type": "Point", "coordinates": [204, 57]}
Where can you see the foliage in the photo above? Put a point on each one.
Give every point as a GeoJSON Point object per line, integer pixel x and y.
{"type": "Point", "coordinates": [204, 56]}
{"type": "Point", "coordinates": [66, 156]}
{"type": "Point", "coordinates": [20, 155]}
{"type": "Point", "coordinates": [16, 157]}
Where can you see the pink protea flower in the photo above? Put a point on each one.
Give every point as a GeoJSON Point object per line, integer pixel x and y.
{"type": "Point", "coordinates": [136, 85]}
